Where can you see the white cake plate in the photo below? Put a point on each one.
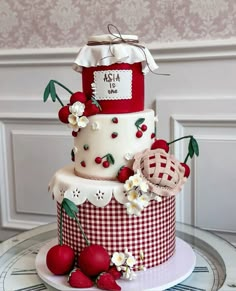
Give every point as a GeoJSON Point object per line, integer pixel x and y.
{"type": "Point", "coordinates": [159, 278]}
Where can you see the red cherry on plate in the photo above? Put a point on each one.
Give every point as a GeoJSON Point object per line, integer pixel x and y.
{"type": "Point", "coordinates": [93, 260]}
{"type": "Point", "coordinates": [160, 144]}
{"type": "Point", "coordinates": [78, 97]}
{"type": "Point", "coordinates": [63, 114]}
{"type": "Point", "coordinates": [187, 170]}
{"type": "Point", "coordinates": [60, 259]}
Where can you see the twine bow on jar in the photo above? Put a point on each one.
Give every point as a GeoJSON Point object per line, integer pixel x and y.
{"type": "Point", "coordinates": [117, 38]}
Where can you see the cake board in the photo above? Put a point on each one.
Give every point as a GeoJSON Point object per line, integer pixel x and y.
{"type": "Point", "coordinates": [159, 278]}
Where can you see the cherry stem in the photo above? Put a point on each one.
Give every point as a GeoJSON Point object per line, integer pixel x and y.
{"type": "Point", "coordinates": [82, 231]}
{"type": "Point", "coordinates": [64, 87]}
{"type": "Point", "coordinates": [185, 160]}
{"type": "Point", "coordinates": [59, 100]}
{"type": "Point", "coordinates": [183, 137]}
{"type": "Point", "coordinates": [61, 217]}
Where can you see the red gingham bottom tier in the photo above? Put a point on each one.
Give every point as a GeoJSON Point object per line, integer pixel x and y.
{"type": "Point", "coordinates": [153, 232]}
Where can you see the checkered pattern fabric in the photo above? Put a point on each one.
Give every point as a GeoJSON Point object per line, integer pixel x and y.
{"type": "Point", "coordinates": [153, 232]}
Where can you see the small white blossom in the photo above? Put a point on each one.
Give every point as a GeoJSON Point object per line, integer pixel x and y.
{"type": "Point", "coordinates": [82, 121]}
{"type": "Point", "coordinates": [73, 122]}
{"type": "Point", "coordinates": [144, 200]}
{"type": "Point", "coordinates": [75, 149]}
{"type": "Point", "coordinates": [118, 259]}
{"type": "Point", "coordinates": [131, 261]}
{"type": "Point", "coordinates": [77, 108]}
{"type": "Point", "coordinates": [143, 186]}
{"type": "Point", "coordinates": [129, 274]}
{"type": "Point", "coordinates": [158, 198]}
{"type": "Point", "coordinates": [132, 195]}
{"type": "Point", "coordinates": [134, 208]}
{"type": "Point", "coordinates": [128, 156]}
{"type": "Point", "coordinates": [95, 126]}
{"type": "Point", "coordinates": [136, 179]}
{"type": "Point", "coordinates": [128, 185]}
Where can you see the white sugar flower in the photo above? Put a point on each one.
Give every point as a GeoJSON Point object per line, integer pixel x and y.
{"type": "Point", "coordinates": [77, 108]}
{"type": "Point", "coordinates": [144, 200]}
{"type": "Point", "coordinates": [131, 261]}
{"type": "Point", "coordinates": [129, 274]}
{"type": "Point", "coordinates": [118, 259]}
{"type": "Point", "coordinates": [128, 156]}
{"type": "Point", "coordinates": [132, 195]}
{"type": "Point", "coordinates": [143, 186]}
{"type": "Point", "coordinates": [136, 179]}
{"type": "Point", "coordinates": [128, 185]}
{"type": "Point", "coordinates": [134, 208]}
{"type": "Point", "coordinates": [95, 126]}
{"type": "Point", "coordinates": [82, 121]}
{"type": "Point", "coordinates": [73, 122]}
{"type": "Point", "coordinates": [73, 119]}
{"type": "Point", "coordinates": [127, 253]}
{"type": "Point", "coordinates": [158, 198]}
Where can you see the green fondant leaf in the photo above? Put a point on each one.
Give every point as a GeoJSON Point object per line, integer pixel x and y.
{"type": "Point", "coordinates": [69, 207]}
{"type": "Point", "coordinates": [195, 146]}
{"type": "Point", "coordinates": [53, 91]}
{"type": "Point", "coordinates": [139, 122]}
{"type": "Point", "coordinates": [190, 149]}
{"type": "Point", "coordinates": [95, 102]}
{"type": "Point", "coordinates": [46, 92]}
{"type": "Point", "coordinates": [110, 159]}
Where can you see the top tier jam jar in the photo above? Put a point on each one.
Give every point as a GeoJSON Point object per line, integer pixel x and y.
{"type": "Point", "coordinates": [113, 68]}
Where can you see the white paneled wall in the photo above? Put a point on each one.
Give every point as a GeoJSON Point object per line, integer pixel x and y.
{"type": "Point", "coordinates": [198, 98]}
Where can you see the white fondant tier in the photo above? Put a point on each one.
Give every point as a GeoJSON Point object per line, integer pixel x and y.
{"type": "Point", "coordinates": [114, 52]}
{"type": "Point", "coordinates": [110, 141]}
{"type": "Point", "coordinates": [66, 184]}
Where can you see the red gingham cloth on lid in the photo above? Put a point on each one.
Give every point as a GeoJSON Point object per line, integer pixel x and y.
{"type": "Point", "coordinates": [153, 232]}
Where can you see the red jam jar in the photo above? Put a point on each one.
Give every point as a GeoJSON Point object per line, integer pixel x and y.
{"type": "Point", "coordinates": [113, 71]}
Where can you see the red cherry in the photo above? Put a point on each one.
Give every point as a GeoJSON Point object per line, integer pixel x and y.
{"type": "Point", "coordinates": [78, 96]}
{"type": "Point", "coordinates": [106, 164]}
{"type": "Point", "coordinates": [60, 259]}
{"type": "Point", "coordinates": [63, 114]}
{"type": "Point", "coordinates": [139, 134]}
{"type": "Point", "coordinates": [124, 174]}
{"type": "Point", "coordinates": [83, 164]}
{"type": "Point", "coordinates": [153, 135]}
{"type": "Point", "coordinates": [114, 134]}
{"type": "Point", "coordinates": [93, 260]}
{"type": "Point", "coordinates": [115, 120]}
{"type": "Point", "coordinates": [187, 170]}
{"type": "Point", "coordinates": [160, 144]}
{"type": "Point", "coordinates": [144, 127]}
{"type": "Point", "coordinates": [98, 160]}
{"type": "Point", "coordinates": [74, 133]}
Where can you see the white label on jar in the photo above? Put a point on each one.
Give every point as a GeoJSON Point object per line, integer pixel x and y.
{"type": "Point", "coordinates": [113, 84]}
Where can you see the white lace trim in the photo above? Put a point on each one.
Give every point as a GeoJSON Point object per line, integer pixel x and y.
{"type": "Point", "coordinates": [98, 192]}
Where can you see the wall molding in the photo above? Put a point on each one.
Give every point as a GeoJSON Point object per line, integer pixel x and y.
{"type": "Point", "coordinates": [173, 51]}
{"type": "Point", "coordinates": [20, 220]}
